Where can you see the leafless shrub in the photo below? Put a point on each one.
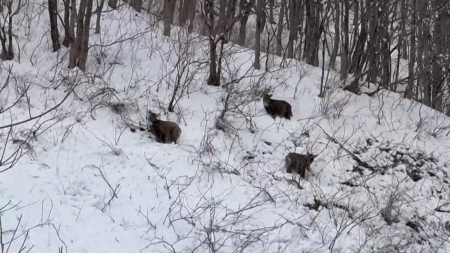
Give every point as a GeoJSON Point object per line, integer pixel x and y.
{"type": "Point", "coordinates": [217, 226]}
{"type": "Point", "coordinates": [179, 74]}
{"type": "Point", "coordinates": [114, 191]}
{"type": "Point", "coordinates": [17, 135]}
{"type": "Point", "coordinates": [333, 103]}
{"type": "Point", "coordinates": [115, 149]}
{"type": "Point", "coordinates": [6, 28]}
{"type": "Point", "coordinates": [237, 99]}
{"type": "Point", "coordinates": [390, 212]}
{"type": "Point", "coordinates": [15, 240]}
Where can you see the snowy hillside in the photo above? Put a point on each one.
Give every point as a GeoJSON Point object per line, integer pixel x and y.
{"type": "Point", "coordinates": [89, 184]}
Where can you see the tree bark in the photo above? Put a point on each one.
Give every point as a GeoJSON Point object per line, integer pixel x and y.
{"type": "Point", "coordinates": [169, 9]}
{"type": "Point", "coordinates": [279, 45]}
{"type": "Point", "coordinates": [293, 29]}
{"type": "Point", "coordinates": [259, 20]}
{"type": "Point", "coordinates": [244, 10]}
{"type": "Point", "coordinates": [68, 33]}
{"type": "Point", "coordinates": [99, 15]}
{"type": "Point", "coordinates": [214, 77]}
{"type": "Point", "coordinates": [337, 34]}
{"type": "Point", "coordinates": [192, 10]}
{"type": "Point", "coordinates": [79, 49]}
{"type": "Point", "coordinates": [54, 34]}
{"type": "Point", "coordinates": [412, 54]}
{"type": "Point", "coordinates": [345, 45]}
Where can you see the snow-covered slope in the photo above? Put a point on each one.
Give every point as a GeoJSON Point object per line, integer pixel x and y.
{"type": "Point", "coordinates": [89, 184]}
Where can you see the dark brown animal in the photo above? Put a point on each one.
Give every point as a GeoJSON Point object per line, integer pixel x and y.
{"type": "Point", "coordinates": [275, 108]}
{"type": "Point", "coordinates": [164, 131]}
{"type": "Point", "coordinates": [297, 163]}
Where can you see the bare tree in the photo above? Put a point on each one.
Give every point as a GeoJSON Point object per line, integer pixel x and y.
{"type": "Point", "coordinates": [280, 26]}
{"type": "Point", "coordinates": [99, 15]}
{"type": "Point", "coordinates": [169, 12]}
{"type": "Point", "coordinates": [345, 44]}
{"type": "Point", "coordinates": [6, 28]}
{"type": "Point", "coordinates": [68, 29]}
{"type": "Point", "coordinates": [337, 36]}
{"type": "Point", "coordinates": [294, 21]}
{"type": "Point", "coordinates": [412, 54]}
{"type": "Point", "coordinates": [80, 47]}
{"type": "Point", "coordinates": [313, 31]}
{"type": "Point", "coordinates": [53, 12]}
{"type": "Point", "coordinates": [259, 30]}
{"type": "Point", "coordinates": [191, 14]}
{"type": "Point", "coordinates": [245, 8]}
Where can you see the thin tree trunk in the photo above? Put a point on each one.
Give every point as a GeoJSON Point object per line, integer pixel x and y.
{"type": "Point", "coordinates": [244, 10]}
{"type": "Point", "coordinates": [169, 9]}
{"type": "Point", "coordinates": [84, 48]}
{"type": "Point", "coordinates": [337, 34]}
{"type": "Point", "coordinates": [230, 20]}
{"type": "Point", "coordinates": [371, 46]}
{"type": "Point", "coordinates": [99, 15]}
{"type": "Point", "coordinates": [412, 53]}
{"type": "Point", "coordinates": [385, 47]}
{"type": "Point", "coordinates": [183, 12]}
{"type": "Point", "coordinates": [79, 48]}
{"type": "Point", "coordinates": [345, 46]}
{"type": "Point", "coordinates": [437, 54]}
{"type": "Point", "coordinates": [259, 20]}
{"type": "Point", "coordinates": [52, 10]}
{"type": "Point", "coordinates": [214, 78]}
{"type": "Point", "coordinates": [402, 37]}
{"type": "Point", "coordinates": [424, 53]}
{"type": "Point", "coordinates": [192, 9]}
{"type": "Point", "coordinates": [220, 27]}
{"type": "Point", "coordinates": [68, 35]}
{"type": "Point", "coordinates": [293, 29]}
{"type": "Point", "coordinates": [279, 45]}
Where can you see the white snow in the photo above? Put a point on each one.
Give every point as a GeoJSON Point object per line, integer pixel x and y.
{"type": "Point", "coordinates": [205, 194]}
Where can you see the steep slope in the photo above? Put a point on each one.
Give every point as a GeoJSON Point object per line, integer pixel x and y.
{"type": "Point", "coordinates": [91, 185]}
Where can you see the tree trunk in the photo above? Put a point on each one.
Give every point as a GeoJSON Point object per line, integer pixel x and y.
{"type": "Point", "coordinates": [437, 55]}
{"type": "Point", "coordinates": [169, 9]}
{"type": "Point", "coordinates": [191, 13]}
{"type": "Point", "coordinates": [220, 27]}
{"type": "Point", "coordinates": [385, 50]}
{"type": "Point", "coordinates": [230, 20]}
{"type": "Point", "coordinates": [345, 45]}
{"type": "Point", "coordinates": [183, 12]}
{"type": "Point", "coordinates": [279, 46]}
{"type": "Point", "coordinates": [99, 15]}
{"type": "Point", "coordinates": [214, 77]}
{"type": "Point", "coordinates": [424, 53]}
{"type": "Point", "coordinates": [54, 34]}
{"type": "Point", "coordinates": [293, 29]}
{"type": "Point", "coordinates": [337, 34]}
{"type": "Point", "coordinates": [68, 35]}
{"type": "Point", "coordinates": [412, 53]}
{"type": "Point", "coordinates": [402, 37]}
{"type": "Point", "coordinates": [371, 46]}
{"type": "Point", "coordinates": [73, 18]}
{"type": "Point", "coordinates": [79, 49]}
{"type": "Point", "coordinates": [259, 20]}
{"type": "Point", "coordinates": [244, 10]}
{"type": "Point", "coordinates": [84, 48]}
